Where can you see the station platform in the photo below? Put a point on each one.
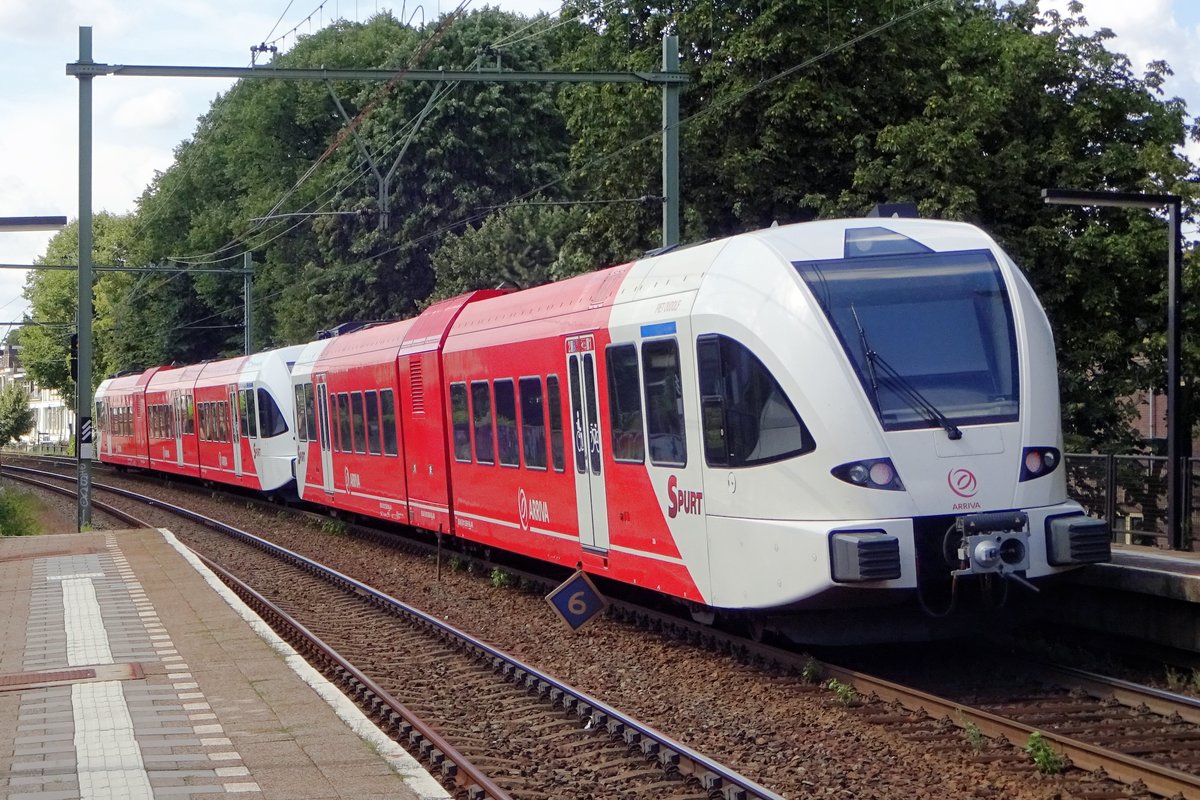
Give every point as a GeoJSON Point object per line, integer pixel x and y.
{"type": "Point", "coordinates": [1144, 594]}
{"type": "Point", "coordinates": [129, 672]}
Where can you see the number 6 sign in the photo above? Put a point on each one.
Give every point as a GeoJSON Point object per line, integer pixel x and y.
{"type": "Point", "coordinates": [577, 601]}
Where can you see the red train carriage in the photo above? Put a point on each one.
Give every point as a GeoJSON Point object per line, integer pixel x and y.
{"type": "Point", "coordinates": [228, 421]}
{"type": "Point", "coordinates": [121, 412]}
{"type": "Point", "coordinates": [171, 420]}
{"type": "Point", "coordinates": [549, 455]}
{"type": "Point", "coordinates": [369, 417]}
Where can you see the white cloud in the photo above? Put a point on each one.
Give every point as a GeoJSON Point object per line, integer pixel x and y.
{"type": "Point", "coordinates": [22, 20]}
{"type": "Point", "coordinates": [154, 109]}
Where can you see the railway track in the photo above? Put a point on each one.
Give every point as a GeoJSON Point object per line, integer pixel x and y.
{"type": "Point", "coordinates": [1085, 723]}
{"type": "Point", "coordinates": [497, 726]}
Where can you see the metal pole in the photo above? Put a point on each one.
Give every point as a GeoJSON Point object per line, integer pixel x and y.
{"type": "Point", "coordinates": [247, 289]}
{"type": "Point", "coordinates": [83, 320]}
{"type": "Point", "coordinates": [1178, 438]}
{"type": "Point", "coordinates": [670, 164]}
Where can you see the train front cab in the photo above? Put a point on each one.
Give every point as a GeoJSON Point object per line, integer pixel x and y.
{"type": "Point", "coordinates": [245, 421]}
{"type": "Point", "coordinates": [869, 500]}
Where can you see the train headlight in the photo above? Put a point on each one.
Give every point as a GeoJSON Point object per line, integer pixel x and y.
{"type": "Point", "coordinates": [1037, 462]}
{"type": "Point", "coordinates": [873, 473]}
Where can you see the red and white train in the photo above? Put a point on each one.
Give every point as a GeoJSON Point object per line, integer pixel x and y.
{"type": "Point", "coordinates": [853, 415]}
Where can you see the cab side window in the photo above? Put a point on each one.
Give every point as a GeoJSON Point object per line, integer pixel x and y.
{"type": "Point", "coordinates": [625, 404]}
{"type": "Point", "coordinates": [664, 403]}
{"type": "Point", "coordinates": [747, 418]}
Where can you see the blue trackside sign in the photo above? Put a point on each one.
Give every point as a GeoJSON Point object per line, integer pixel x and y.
{"type": "Point", "coordinates": [577, 601]}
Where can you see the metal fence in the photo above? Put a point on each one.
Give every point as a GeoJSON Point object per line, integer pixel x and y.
{"type": "Point", "coordinates": [1131, 493]}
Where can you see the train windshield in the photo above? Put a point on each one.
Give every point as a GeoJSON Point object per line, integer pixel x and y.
{"type": "Point", "coordinates": [930, 334]}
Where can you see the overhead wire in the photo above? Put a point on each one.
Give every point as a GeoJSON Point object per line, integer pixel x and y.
{"type": "Point", "coordinates": [601, 160]}
{"type": "Point", "coordinates": [344, 132]}
{"type": "Point", "coordinates": [718, 106]}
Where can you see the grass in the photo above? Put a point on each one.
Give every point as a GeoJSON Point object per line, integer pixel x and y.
{"type": "Point", "coordinates": [17, 514]}
{"type": "Point", "coordinates": [1179, 680]}
{"type": "Point", "coordinates": [846, 694]}
{"type": "Point", "coordinates": [975, 736]}
{"type": "Point", "coordinates": [501, 579]}
{"type": "Point", "coordinates": [334, 527]}
{"type": "Point", "coordinates": [1047, 760]}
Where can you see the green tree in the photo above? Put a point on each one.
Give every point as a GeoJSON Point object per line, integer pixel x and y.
{"type": "Point", "coordinates": [968, 108]}
{"type": "Point", "coordinates": [16, 417]}
{"type": "Point", "coordinates": [53, 298]}
{"type": "Point", "coordinates": [517, 248]}
{"type": "Point", "coordinates": [274, 168]}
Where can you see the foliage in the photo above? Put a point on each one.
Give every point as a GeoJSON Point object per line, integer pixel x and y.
{"type": "Point", "coordinates": [501, 579]}
{"type": "Point", "coordinates": [1179, 680]}
{"type": "Point", "coordinates": [53, 297]}
{"type": "Point", "coordinates": [967, 108]}
{"type": "Point", "coordinates": [1047, 760]}
{"type": "Point", "coordinates": [16, 417]}
{"type": "Point", "coordinates": [845, 692]}
{"type": "Point", "coordinates": [974, 736]}
{"type": "Point", "coordinates": [811, 671]}
{"type": "Point", "coordinates": [17, 516]}
{"type": "Point", "coordinates": [795, 110]}
{"type": "Point", "coordinates": [334, 527]}
{"type": "Point", "coordinates": [517, 248]}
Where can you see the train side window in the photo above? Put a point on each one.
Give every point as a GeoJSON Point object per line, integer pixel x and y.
{"type": "Point", "coordinates": [533, 423]}
{"type": "Point", "coordinates": [374, 440]}
{"type": "Point", "coordinates": [460, 418]}
{"type": "Point", "coordinates": [507, 445]}
{"type": "Point", "coordinates": [189, 418]}
{"type": "Point", "coordinates": [747, 418]}
{"type": "Point", "coordinates": [625, 404]}
{"type": "Point", "coordinates": [243, 413]}
{"type": "Point", "coordinates": [271, 421]}
{"type": "Point", "coordinates": [345, 437]}
{"type": "Point", "coordinates": [554, 401]}
{"type": "Point", "coordinates": [390, 439]}
{"type": "Point", "coordinates": [203, 422]}
{"type": "Point", "coordinates": [593, 413]}
{"type": "Point", "coordinates": [481, 410]}
{"type": "Point", "coordinates": [226, 421]}
{"type": "Point", "coordinates": [301, 419]}
{"type": "Point", "coordinates": [310, 414]}
{"type": "Point", "coordinates": [577, 416]}
{"type": "Point", "coordinates": [360, 424]}
{"type": "Point", "coordinates": [251, 412]}
{"type": "Point", "coordinates": [664, 403]}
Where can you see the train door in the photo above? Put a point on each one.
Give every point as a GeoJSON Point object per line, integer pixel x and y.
{"type": "Point", "coordinates": [590, 495]}
{"type": "Point", "coordinates": [235, 430]}
{"type": "Point", "coordinates": [323, 433]}
{"type": "Point", "coordinates": [177, 413]}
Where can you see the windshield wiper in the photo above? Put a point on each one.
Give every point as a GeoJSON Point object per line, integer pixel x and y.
{"type": "Point", "coordinates": [900, 385]}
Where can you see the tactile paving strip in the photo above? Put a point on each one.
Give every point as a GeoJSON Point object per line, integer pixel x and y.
{"type": "Point", "coordinates": [110, 739]}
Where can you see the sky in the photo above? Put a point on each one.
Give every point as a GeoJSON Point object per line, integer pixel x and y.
{"type": "Point", "coordinates": [137, 122]}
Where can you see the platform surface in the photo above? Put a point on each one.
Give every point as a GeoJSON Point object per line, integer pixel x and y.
{"type": "Point", "coordinates": [1170, 574]}
{"type": "Point", "coordinates": [128, 672]}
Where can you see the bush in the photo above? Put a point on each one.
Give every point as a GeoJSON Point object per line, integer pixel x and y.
{"type": "Point", "coordinates": [16, 514]}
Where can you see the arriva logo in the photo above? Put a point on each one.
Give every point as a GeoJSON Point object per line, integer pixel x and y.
{"type": "Point", "coordinates": [962, 482]}
{"type": "Point", "coordinates": [682, 500]}
{"type": "Point", "coordinates": [531, 510]}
